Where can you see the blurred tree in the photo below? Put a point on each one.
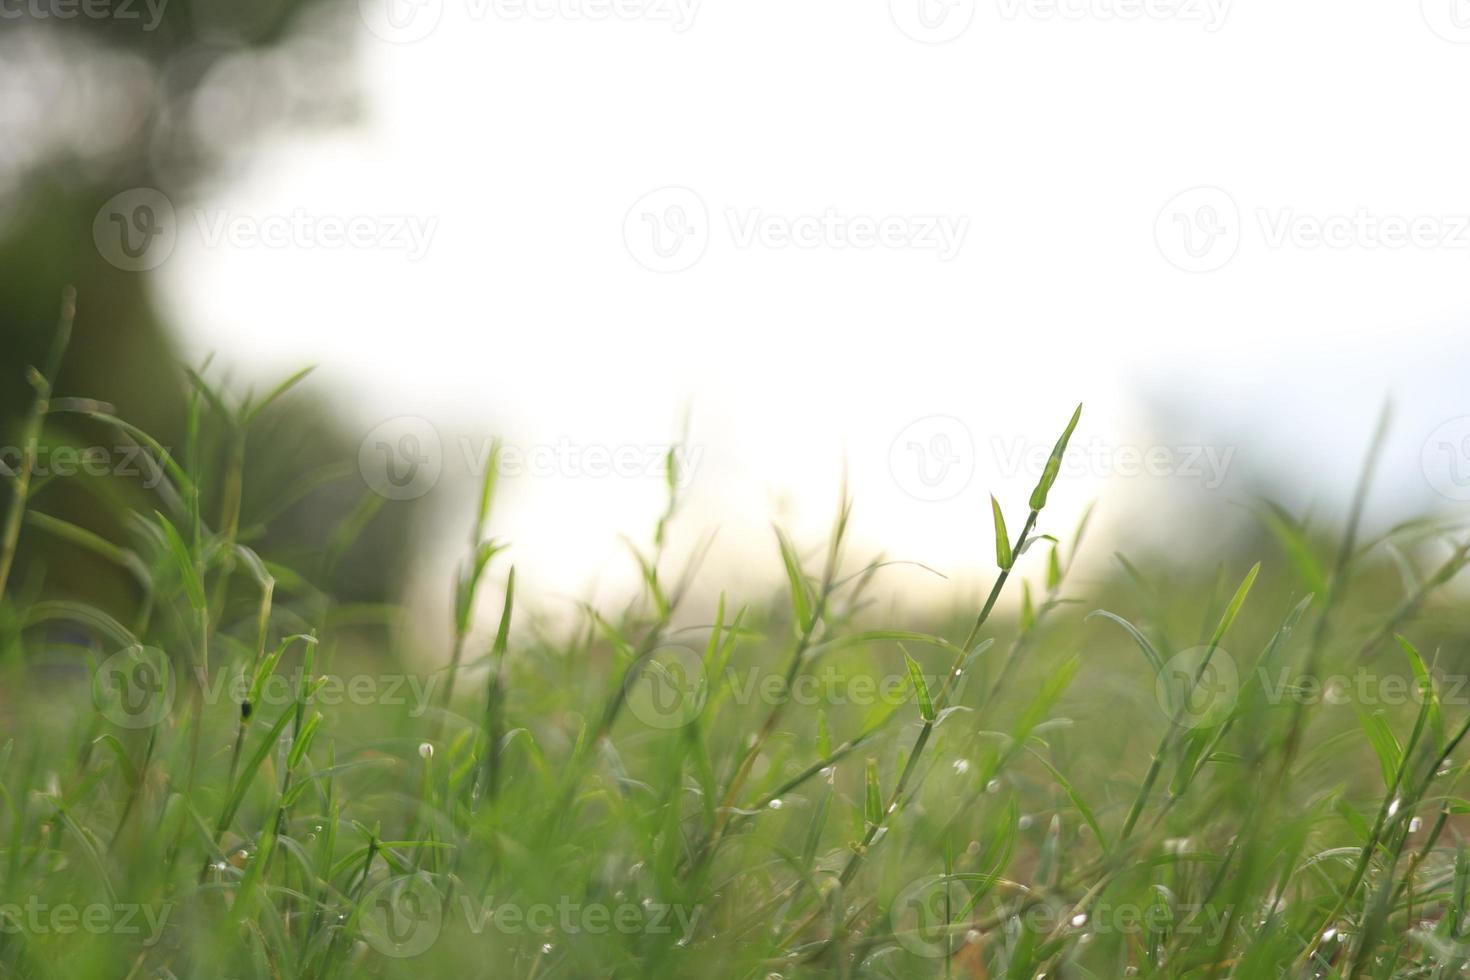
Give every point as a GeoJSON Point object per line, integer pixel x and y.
{"type": "Point", "coordinates": [108, 96]}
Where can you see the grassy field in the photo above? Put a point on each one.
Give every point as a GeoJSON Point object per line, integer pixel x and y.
{"type": "Point", "coordinates": [1226, 766]}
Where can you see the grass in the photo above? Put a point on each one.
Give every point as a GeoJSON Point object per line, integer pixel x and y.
{"type": "Point", "coordinates": [1171, 772]}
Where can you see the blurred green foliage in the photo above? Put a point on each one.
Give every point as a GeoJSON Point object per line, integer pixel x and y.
{"type": "Point", "coordinates": [119, 99]}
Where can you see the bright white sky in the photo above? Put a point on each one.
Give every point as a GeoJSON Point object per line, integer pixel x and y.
{"type": "Point", "coordinates": [1058, 144]}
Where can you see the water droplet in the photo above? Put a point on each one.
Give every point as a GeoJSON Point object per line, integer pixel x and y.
{"type": "Point", "coordinates": [546, 947]}
{"type": "Point", "coordinates": [1393, 807]}
{"type": "Point", "coordinates": [1414, 824]}
{"type": "Point", "coordinates": [993, 786]}
{"type": "Point", "coordinates": [972, 936]}
{"type": "Point", "coordinates": [426, 750]}
{"type": "Point", "coordinates": [1024, 823]}
{"type": "Point", "coordinates": [776, 804]}
{"type": "Point", "coordinates": [962, 766]}
{"type": "Point", "coordinates": [1079, 920]}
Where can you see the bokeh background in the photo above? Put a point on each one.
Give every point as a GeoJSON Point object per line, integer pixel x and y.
{"type": "Point", "coordinates": [898, 239]}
